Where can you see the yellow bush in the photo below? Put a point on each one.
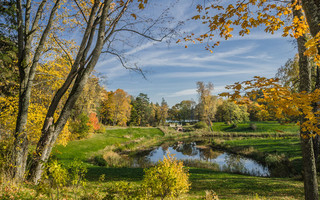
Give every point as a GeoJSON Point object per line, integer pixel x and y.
{"type": "Point", "coordinates": [167, 179]}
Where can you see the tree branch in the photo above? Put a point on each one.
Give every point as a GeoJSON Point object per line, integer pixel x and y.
{"type": "Point", "coordinates": [123, 63]}
{"type": "Point", "coordinates": [115, 22]}
{"type": "Point", "coordinates": [144, 35]}
{"type": "Point", "coordinates": [83, 15]}
{"type": "Point", "coordinates": [36, 20]}
{"type": "Point", "coordinates": [63, 49]}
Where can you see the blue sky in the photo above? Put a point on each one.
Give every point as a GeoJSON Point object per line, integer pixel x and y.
{"type": "Point", "coordinates": [172, 70]}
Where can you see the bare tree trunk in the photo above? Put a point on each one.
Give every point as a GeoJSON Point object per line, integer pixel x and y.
{"type": "Point", "coordinates": [311, 9]}
{"type": "Point", "coordinates": [309, 164]}
{"type": "Point", "coordinates": [51, 129]}
{"type": "Point", "coordinates": [310, 172]}
{"type": "Point", "coordinates": [27, 69]}
{"type": "Point", "coordinates": [312, 13]}
{"type": "Point", "coordinates": [316, 139]}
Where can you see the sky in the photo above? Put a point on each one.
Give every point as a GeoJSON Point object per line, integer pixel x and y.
{"type": "Point", "coordinates": [172, 70]}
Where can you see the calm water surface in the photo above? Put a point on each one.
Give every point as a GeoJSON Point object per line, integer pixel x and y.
{"type": "Point", "coordinates": [224, 161]}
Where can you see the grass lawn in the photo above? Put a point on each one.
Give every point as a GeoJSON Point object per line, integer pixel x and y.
{"type": "Point", "coordinates": [288, 146]}
{"type": "Point", "coordinates": [263, 127]}
{"type": "Point", "coordinates": [282, 154]}
{"type": "Point", "coordinates": [227, 186]}
{"type": "Point", "coordinates": [235, 186]}
{"type": "Point", "coordinates": [84, 149]}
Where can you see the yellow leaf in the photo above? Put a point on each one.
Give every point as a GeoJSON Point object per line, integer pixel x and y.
{"type": "Point", "coordinates": [134, 16]}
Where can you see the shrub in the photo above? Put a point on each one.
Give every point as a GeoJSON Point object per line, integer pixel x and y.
{"type": "Point", "coordinates": [275, 159]}
{"type": "Point", "coordinates": [200, 125]}
{"type": "Point", "coordinates": [93, 119]}
{"type": "Point", "coordinates": [113, 159]}
{"type": "Point", "coordinates": [167, 179]}
{"type": "Point", "coordinates": [77, 172]}
{"type": "Point", "coordinates": [54, 177]}
{"type": "Point", "coordinates": [80, 126]}
{"type": "Point", "coordinates": [6, 149]}
{"type": "Point", "coordinates": [102, 129]}
{"type": "Point", "coordinates": [98, 160]}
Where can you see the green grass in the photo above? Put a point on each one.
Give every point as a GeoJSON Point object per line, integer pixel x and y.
{"type": "Point", "coordinates": [263, 127]}
{"type": "Point", "coordinates": [234, 186]}
{"type": "Point", "coordinates": [84, 149]}
{"type": "Point", "coordinates": [288, 146]}
{"type": "Point", "coordinates": [227, 186]}
{"type": "Point", "coordinates": [270, 151]}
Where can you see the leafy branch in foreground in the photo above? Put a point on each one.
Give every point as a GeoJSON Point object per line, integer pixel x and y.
{"type": "Point", "coordinates": [271, 95]}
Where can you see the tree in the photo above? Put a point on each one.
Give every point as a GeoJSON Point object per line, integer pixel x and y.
{"type": "Point", "coordinates": [159, 113]}
{"type": "Point", "coordinates": [232, 113]}
{"type": "Point", "coordinates": [183, 111]}
{"type": "Point", "coordinates": [256, 114]}
{"type": "Point", "coordinates": [207, 102]}
{"type": "Point", "coordinates": [116, 108]}
{"type": "Point", "coordinates": [141, 110]}
{"type": "Point", "coordinates": [163, 114]}
{"type": "Point", "coordinates": [272, 14]}
{"type": "Point", "coordinates": [90, 98]}
{"type": "Point", "coordinates": [9, 80]}
{"type": "Point", "coordinates": [49, 77]}
{"type": "Point", "coordinates": [99, 22]}
{"type": "Point", "coordinates": [289, 74]}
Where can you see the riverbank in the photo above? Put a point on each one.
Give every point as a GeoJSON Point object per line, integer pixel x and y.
{"type": "Point", "coordinates": [102, 176]}
{"type": "Point", "coordinates": [281, 155]}
{"type": "Point", "coordinates": [226, 185]}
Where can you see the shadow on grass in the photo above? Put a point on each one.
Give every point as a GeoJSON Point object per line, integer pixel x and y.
{"type": "Point", "coordinates": [226, 185]}
{"type": "Point", "coordinates": [237, 129]}
{"type": "Point", "coordinates": [115, 174]}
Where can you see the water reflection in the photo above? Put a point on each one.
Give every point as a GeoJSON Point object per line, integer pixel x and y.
{"type": "Point", "coordinates": [190, 151]}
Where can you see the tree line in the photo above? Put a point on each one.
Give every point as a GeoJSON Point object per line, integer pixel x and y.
{"type": "Point", "coordinates": [32, 36]}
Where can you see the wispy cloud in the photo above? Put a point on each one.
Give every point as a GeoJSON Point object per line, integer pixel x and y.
{"type": "Point", "coordinates": [227, 54]}
{"type": "Point", "coordinates": [191, 92]}
{"type": "Point", "coordinates": [141, 47]}
{"type": "Point", "coordinates": [173, 71]}
{"type": "Point", "coordinates": [186, 92]}
{"type": "Point", "coordinates": [206, 74]}
{"type": "Point", "coordinates": [261, 56]}
{"type": "Point", "coordinates": [164, 57]}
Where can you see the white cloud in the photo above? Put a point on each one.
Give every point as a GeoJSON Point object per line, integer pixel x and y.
{"type": "Point", "coordinates": [206, 74]}
{"type": "Point", "coordinates": [227, 54]}
{"type": "Point", "coordinates": [185, 92]}
{"type": "Point", "coordinates": [262, 56]}
{"type": "Point", "coordinates": [191, 92]}
{"type": "Point", "coordinates": [141, 47]}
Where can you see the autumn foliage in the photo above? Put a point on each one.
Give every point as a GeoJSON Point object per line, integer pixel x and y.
{"type": "Point", "coordinates": [116, 108]}
{"type": "Point", "coordinates": [279, 99]}
{"type": "Point", "coordinates": [225, 20]}
{"type": "Point", "coordinates": [168, 179]}
{"type": "Point", "coordinates": [93, 120]}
